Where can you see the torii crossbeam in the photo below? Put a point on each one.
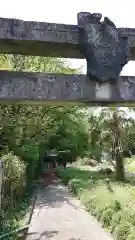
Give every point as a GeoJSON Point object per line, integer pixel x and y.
{"type": "Point", "coordinates": [57, 40]}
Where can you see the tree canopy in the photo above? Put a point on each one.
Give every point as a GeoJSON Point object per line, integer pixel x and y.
{"type": "Point", "coordinates": [30, 131]}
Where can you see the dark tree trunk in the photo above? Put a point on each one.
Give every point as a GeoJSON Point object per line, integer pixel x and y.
{"type": "Point", "coordinates": [118, 149]}
{"type": "Point", "coordinates": [119, 167]}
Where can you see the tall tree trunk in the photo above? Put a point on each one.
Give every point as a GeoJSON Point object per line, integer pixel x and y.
{"type": "Point", "coordinates": [119, 167]}
{"type": "Point", "coordinates": [117, 148]}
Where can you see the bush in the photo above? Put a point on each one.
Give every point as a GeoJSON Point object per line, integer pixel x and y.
{"type": "Point", "coordinates": [114, 209]}
{"type": "Point", "coordinates": [123, 230]}
{"type": "Point", "coordinates": [129, 215]}
{"type": "Point", "coordinates": [74, 186]}
{"type": "Point", "coordinates": [107, 217]}
{"type": "Point", "coordinates": [131, 236]}
{"type": "Point", "coordinates": [125, 215]}
{"type": "Point", "coordinates": [116, 219]}
{"type": "Point", "coordinates": [99, 212]}
{"type": "Point", "coordinates": [14, 177]}
{"type": "Point", "coordinates": [91, 207]}
{"type": "Point", "coordinates": [115, 205]}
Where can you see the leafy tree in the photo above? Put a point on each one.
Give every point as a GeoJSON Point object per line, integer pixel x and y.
{"type": "Point", "coordinates": [110, 130]}
{"type": "Point", "coordinates": [24, 128]}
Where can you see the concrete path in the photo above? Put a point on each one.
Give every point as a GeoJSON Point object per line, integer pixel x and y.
{"type": "Point", "coordinates": [59, 216]}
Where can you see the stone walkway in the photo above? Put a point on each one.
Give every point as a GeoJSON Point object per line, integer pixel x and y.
{"type": "Point", "coordinates": [59, 216]}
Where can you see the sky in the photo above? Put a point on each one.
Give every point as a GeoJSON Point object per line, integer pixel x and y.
{"type": "Point", "coordinates": [122, 13]}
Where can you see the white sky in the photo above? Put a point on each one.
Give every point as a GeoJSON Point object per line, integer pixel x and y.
{"type": "Point", "coordinates": [60, 11]}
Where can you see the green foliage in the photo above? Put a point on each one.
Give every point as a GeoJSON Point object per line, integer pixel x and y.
{"type": "Point", "coordinates": [116, 205]}
{"type": "Point", "coordinates": [131, 236]}
{"type": "Point", "coordinates": [107, 217]}
{"type": "Point", "coordinates": [28, 132]}
{"type": "Point", "coordinates": [116, 219]}
{"type": "Point", "coordinates": [38, 64]}
{"type": "Point", "coordinates": [128, 215]}
{"type": "Point", "coordinates": [115, 210]}
{"type": "Point", "coordinates": [100, 128]}
{"type": "Point", "coordinates": [122, 230]}
{"type": "Point", "coordinates": [12, 218]}
{"type": "Point", "coordinates": [66, 133]}
{"type": "Point", "coordinates": [14, 178]}
{"type": "Point", "coordinates": [130, 165]}
{"type": "Point", "coordinates": [31, 131]}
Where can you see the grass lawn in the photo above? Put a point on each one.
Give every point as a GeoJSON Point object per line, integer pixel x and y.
{"type": "Point", "coordinates": [131, 168]}
{"type": "Point", "coordinates": [111, 202]}
{"type": "Point", "coordinates": [130, 165]}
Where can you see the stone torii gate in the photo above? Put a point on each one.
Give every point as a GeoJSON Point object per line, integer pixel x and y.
{"type": "Point", "coordinates": [69, 41]}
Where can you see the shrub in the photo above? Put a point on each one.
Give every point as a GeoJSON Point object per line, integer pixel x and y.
{"type": "Point", "coordinates": [129, 215]}
{"type": "Point", "coordinates": [14, 177]}
{"type": "Point", "coordinates": [91, 207]}
{"type": "Point", "coordinates": [99, 212]}
{"type": "Point", "coordinates": [74, 186]}
{"type": "Point", "coordinates": [131, 236]}
{"type": "Point", "coordinates": [114, 209]}
{"type": "Point", "coordinates": [116, 219]}
{"type": "Point", "coordinates": [115, 205]}
{"type": "Point", "coordinates": [107, 217]}
{"type": "Point", "coordinates": [122, 231]}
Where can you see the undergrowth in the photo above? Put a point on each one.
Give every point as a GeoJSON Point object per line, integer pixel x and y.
{"type": "Point", "coordinates": [114, 208]}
